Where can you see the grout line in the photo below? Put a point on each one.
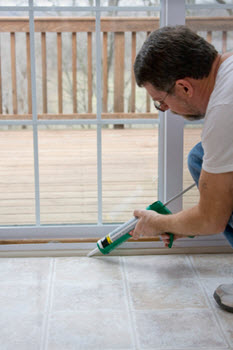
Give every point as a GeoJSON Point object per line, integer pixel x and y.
{"type": "Point", "coordinates": [192, 265]}
{"type": "Point", "coordinates": [129, 306]}
{"type": "Point", "coordinates": [217, 319]}
{"type": "Point", "coordinates": [48, 306]}
{"type": "Point", "coordinates": [210, 304]}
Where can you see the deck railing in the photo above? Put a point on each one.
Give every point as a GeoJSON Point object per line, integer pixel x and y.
{"type": "Point", "coordinates": [119, 27]}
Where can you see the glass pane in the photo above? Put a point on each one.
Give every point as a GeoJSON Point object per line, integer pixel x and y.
{"type": "Point", "coordinates": [192, 135]}
{"type": "Point", "coordinates": [13, 2]}
{"type": "Point", "coordinates": [68, 175]}
{"type": "Point", "coordinates": [132, 3]}
{"type": "Point", "coordinates": [130, 170]}
{"type": "Point", "coordinates": [64, 3]}
{"type": "Point", "coordinates": [215, 25]}
{"type": "Point", "coordinates": [208, 2]}
{"type": "Point", "coordinates": [65, 65]}
{"type": "Point", "coordinates": [17, 202]}
{"type": "Point", "coordinates": [123, 35]}
{"type": "Point", "coordinates": [210, 12]}
{"type": "Point", "coordinates": [15, 79]}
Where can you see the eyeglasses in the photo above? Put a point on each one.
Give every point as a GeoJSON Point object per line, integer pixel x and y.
{"type": "Point", "coordinates": [158, 104]}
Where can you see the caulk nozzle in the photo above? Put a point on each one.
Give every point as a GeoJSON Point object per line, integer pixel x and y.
{"type": "Point", "coordinates": [93, 252]}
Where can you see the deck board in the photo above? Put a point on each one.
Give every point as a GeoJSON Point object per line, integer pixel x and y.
{"type": "Point", "coordinates": [68, 174]}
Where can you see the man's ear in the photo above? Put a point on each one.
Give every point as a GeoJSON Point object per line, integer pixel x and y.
{"type": "Point", "coordinates": [184, 87]}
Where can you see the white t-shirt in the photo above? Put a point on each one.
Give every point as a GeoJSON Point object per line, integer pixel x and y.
{"type": "Point", "coordinates": [217, 134]}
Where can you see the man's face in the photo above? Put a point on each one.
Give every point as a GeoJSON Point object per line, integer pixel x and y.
{"type": "Point", "coordinates": [176, 103]}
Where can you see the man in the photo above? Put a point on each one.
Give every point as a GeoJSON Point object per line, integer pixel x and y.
{"type": "Point", "coordinates": [184, 73]}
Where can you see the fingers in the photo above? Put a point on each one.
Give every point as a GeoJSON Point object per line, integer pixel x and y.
{"type": "Point", "coordinates": [166, 238]}
{"type": "Point", "coordinates": [138, 213]}
{"type": "Point", "coordinates": [136, 233]}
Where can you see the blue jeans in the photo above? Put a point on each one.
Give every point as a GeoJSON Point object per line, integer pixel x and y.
{"type": "Point", "coordinates": [195, 159]}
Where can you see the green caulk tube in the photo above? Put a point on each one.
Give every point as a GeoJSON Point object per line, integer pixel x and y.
{"type": "Point", "coordinates": [121, 234]}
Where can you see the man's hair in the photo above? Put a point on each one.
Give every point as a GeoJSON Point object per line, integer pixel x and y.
{"type": "Point", "coordinates": [172, 53]}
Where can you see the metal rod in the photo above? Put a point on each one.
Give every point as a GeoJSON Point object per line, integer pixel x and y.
{"type": "Point", "coordinates": [180, 194]}
{"type": "Point", "coordinates": [99, 112]}
{"type": "Point", "coordinates": [34, 113]}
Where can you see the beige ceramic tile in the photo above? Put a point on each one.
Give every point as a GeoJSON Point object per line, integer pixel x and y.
{"type": "Point", "coordinates": [225, 318]}
{"type": "Point", "coordinates": [20, 331]}
{"type": "Point", "coordinates": [210, 284]}
{"type": "Point", "coordinates": [24, 269]}
{"type": "Point", "coordinates": [213, 265]}
{"type": "Point", "coordinates": [158, 267]}
{"type": "Point", "coordinates": [97, 330]}
{"type": "Point", "coordinates": [226, 321]}
{"type": "Point", "coordinates": [88, 269]}
{"type": "Point", "coordinates": [167, 294]}
{"type": "Point", "coordinates": [93, 295]}
{"type": "Point", "coordinates": [196, 329]}
{"type": "Point", "coordinates": [89, 307]}
{"type": "Point", "coordinates": [24, 298]}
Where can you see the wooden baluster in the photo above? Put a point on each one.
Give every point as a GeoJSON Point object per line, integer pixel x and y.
{"type": "Point", "coordinates": [148, 98]}
{"type": "Point", "coordinates": [0, 83]}
{"type": "Point", "coordinates": [59, 72]}
{"type": "Point", "coordinates": [13, 74]}
{"type": "Point", "coordinates": [29, 84]}
{"type": "Point", "coordinates": [89, 70]}
{"type": "Point", "coordinates": [44, 72]}
{"type": "Point", "coordinates": [133, 85]}
{"type": "Point", "coordinates": [224, 41]}
{"type": "Point", "coordinates": [119, 68]}
{"type": "Point", "coordinates": [74, 71]}
{"type": "Point", "coordinates": [209, 37]}
{"type": "Point", "coordinates": [105, 72]}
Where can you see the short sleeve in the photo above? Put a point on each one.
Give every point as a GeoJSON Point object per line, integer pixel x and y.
{"type": "Point", "coordinates": [217, 140]}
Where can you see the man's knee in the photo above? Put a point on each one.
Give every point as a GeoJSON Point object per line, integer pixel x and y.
{"type": "Point", "coordinates": [195, 158]}
{"type": "Point", "coordinates": [191, 160]}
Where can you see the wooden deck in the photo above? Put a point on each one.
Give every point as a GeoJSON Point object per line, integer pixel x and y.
{"type": "Point", "coordinates": [68, 174]}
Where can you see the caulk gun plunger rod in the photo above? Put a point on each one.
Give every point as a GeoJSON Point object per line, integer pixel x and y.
{"type": "Point", "coordinates": [179, 194]}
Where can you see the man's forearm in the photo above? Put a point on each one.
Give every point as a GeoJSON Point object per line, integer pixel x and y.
{"type": "Point", "coordinates": [188, 222]}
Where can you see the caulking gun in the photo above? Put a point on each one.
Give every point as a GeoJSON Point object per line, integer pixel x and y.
{"type": "Point", "coordinates": [121, 234]}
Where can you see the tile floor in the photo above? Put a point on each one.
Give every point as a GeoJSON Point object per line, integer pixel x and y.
{"type": "Point", "coordinates": [139, 302]}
